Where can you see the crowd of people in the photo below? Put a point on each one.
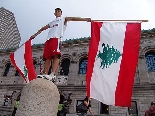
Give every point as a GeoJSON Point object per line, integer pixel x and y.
{"type": "Point", "coordinates": [62, 111]}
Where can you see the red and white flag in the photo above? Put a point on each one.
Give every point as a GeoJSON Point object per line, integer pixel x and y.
{"type": "Point", "coordinates": [112, 60]}
{"type": "Point", "coordinates": [23, 61]}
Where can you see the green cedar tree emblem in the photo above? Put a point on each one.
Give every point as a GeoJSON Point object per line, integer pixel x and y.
{"type": "Point", "coordinates": [25, 72]}
{"type": "Point", "coordinates": [108, 56]}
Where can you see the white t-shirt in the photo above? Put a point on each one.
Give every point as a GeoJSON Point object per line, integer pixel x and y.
{"type": "Point", "coordinates": [57, 28]}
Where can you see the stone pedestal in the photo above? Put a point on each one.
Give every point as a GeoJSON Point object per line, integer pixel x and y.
{"type": "Point", "coordinates": [40, 97]}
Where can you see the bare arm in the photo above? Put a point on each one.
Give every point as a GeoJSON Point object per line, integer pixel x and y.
{"type": "Point", "coordinates": [91, 111]}
{"type": "Point", "coordinates": [77, 19]}
{"type": "Point", "coordinates": [86, 103]}
{"type": "Point", "coordinates": [40, 30]}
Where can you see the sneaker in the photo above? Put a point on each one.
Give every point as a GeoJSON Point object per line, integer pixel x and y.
{"type": "Point", "coordinates": [52, 77]}
{"type": "Point", "coordinates": [41, 76]}
{"type": "Point", "coordinates": [44, 76]}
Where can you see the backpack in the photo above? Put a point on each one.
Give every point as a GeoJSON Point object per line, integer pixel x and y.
{"type": "Point", "coordinates": [81, 108]}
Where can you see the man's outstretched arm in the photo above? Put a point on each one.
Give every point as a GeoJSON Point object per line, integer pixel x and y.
{"type": "Point", "coordinates": [40, 30]}
{"type": "Point", "coordinates": [77, 19]}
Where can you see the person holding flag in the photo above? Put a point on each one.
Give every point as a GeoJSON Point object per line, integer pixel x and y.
{"type": "Point", "coordinates": [52, 48]}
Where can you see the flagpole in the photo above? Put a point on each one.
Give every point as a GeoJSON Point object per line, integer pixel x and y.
{"type": "Point", "coordinates": [121, 20]}
{"type": "Point", "coordinates": [103, 21]}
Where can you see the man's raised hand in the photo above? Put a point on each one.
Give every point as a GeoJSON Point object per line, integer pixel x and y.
{"type": "Point", "coordinates": [88, 19]}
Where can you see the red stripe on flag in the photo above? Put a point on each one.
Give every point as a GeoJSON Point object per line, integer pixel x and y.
{"type": "Point", "coordinates": [29, 61]}
{"type": "Point", "coordinates": [128, 65]}
{"type": "Point", "coordinates": [14, 63]}
{"type": "Point", "coordinates": [93, 48]}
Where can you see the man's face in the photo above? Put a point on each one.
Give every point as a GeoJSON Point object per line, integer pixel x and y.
{"type": "Point", "coordinates": [58, 13]}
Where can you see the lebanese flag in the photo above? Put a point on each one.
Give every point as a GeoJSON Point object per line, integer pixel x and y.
{"type": "Point", "coordinates": [112, 61]}
{"type": "Point", "coordinates": [23, 61]}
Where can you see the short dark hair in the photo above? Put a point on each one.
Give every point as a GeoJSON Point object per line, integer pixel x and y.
{"type": "Point", "coordinates": [58, 9]}
{"type": "Point", "coordinates": [153, 103]}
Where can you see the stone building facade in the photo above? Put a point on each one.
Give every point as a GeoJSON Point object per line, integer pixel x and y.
{"type": "Point", "coordinates": [72, 71]}
{"type": "Point", "coordinates": [9, 33]}
{"type": "Point", "coordinates": [71, 77]}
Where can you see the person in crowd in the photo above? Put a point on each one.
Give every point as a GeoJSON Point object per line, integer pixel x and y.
{"type": "Point", "coordinates": [16, 105]}
{"type": "Point", "coordinates": [151, 110]}
{"type": "Point", "coordinates": [87, 103]}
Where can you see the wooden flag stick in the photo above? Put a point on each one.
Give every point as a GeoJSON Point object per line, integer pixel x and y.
{"type": "Point", "coordinates": [122, 20]}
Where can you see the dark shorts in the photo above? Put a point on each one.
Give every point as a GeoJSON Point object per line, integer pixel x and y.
{"type": "Point", "coordinates": [52, 47]}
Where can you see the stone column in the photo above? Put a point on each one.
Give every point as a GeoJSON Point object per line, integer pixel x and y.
{"type": "Point", "coordinates": [72, 73]}
{"type": "Point", "coordinates": [40, 97]}
{"type": "Point", "coordinates": [143, 73]}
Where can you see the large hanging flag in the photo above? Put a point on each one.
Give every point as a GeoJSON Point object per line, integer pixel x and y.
{"type": "Point", "coordinates": [112, 60]}
{"type": "Point", "coordinates": [23, 61]}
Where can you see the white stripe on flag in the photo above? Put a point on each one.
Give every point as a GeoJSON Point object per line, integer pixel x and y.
{"type": "Point", "coordinates": [109, 33]}
{"type": "Point", "coordinates": [19, 58]}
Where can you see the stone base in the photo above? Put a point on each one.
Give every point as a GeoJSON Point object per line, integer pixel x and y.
{"type": "Point", "coordinates": [40, 97]}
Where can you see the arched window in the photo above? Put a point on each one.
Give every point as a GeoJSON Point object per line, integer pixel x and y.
{"type": "Point", "coordinates": [83, 66]}
{"type": "Point", "coordinates": [65, 67]}
{"type": "Point", "coordinates": [150, 61]}
{"type": "Point", "coordinates": [7, 68]}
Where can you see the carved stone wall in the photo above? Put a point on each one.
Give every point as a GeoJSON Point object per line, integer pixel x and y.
{"type": "Point", "coordinates": [147, 44]}
{"type": "Point", "coordinates": [144, 80]}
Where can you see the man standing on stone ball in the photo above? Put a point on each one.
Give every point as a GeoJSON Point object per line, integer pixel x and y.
{"type": "Point", "coordinates": [52, 48]}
